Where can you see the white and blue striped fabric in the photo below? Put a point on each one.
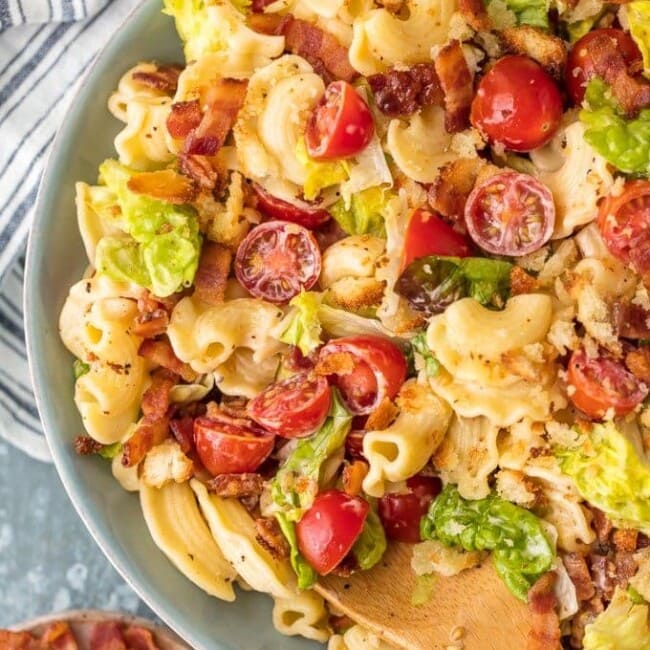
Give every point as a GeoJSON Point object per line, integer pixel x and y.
{"type": "Point", "coordinates": [45, 48]}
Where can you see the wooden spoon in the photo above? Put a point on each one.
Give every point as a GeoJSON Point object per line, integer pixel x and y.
{"type": "Point", "coordinates": [476, 600]}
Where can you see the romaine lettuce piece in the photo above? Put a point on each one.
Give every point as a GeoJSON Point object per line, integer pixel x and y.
{"type": "Point", "coordinates": [364, 214]}
{"type": "Point", "coordinates": [610, 474]}
{"type": "Point", "coordinates": [520, 549]}
{"type": "Point", "coordinates": [638, 16]}
{"type": "Point", "coordinates": [320, 174]}
{"type": "Point", "coordinates": [161, 245]}
{"type": "Point", "coordinates": [419, 345]}
{"type": "Point", "coordinates": [303, 570]}
{"type": "Point", "coordinates": [371, 544]}
{"type": "Point", "coordinates": [526, 12]}
{"type": "Point", "coordinates": [622, 626]}
{"type": "Point", "coordinates": [304, 328]}
{"type": "Point", "coordinates": [622, 142]}
{"type": "Point", "coordinates": [80, 368]}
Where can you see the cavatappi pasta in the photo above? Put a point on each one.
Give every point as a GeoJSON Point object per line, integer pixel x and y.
{"type": "Point", "coordinates": [330, 273]}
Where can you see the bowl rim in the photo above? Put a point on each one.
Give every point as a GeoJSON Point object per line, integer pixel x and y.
{"type": "Point", "coordinates": [33, 345]}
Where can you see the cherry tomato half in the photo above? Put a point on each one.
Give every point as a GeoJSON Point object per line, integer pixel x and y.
{"type": "Point", "coordinates": [228, 445]}
{"type": "Point", "coordinates": [328, 530]}
{"type": "Point", "coordinates": [517, 104]}
{"type": "Point", "coordinates": [510, 214]}
{"type": "Point", "coordinates": [602, 383]}
{"type": "Point", "coordinates": [379, 370]}
{"type": "Point", "coordinates": [624, 222]}
{"type": "Point", "coordinates": [341, 125]}
{"type": "Point", "coordinates": [580, 66]}
{"type": "Point", "coordinates": [298, 212]}
{"type": "Point", "coordinates": [400, 513]}
{"type": "Point", "coordinates": [428, 234]}
{"type": "Point", "coordinates": [276, 260]}
{"type": "Point", "coordinates": [292, 408]}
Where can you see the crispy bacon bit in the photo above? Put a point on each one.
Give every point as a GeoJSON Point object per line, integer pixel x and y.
{"type": "Point", "coordinates": [576, 567]}
{"type": "Point", "coordinates": [236, 485]}
{"type": "Point", "coordinates": [336, 363]}
{"type": "Point", "coordinates": [632, 320]}
{"type": "Point", "coordinates": [625, 540]}
{"type": "Point", "coordinates": [346, 567]}
{"type": "Point", "coordinates": [631, 93]}
{"type": "Point", "coordinates": [341, 623]}
{"type": "Point", "coordinates": [269, 24]}
{"type": "Point", "coordinates": [200, 169]}
{"type": "Point", "coordinates": [87, 446]}
{"type": "Point", "coordinates": [353, 475]}
{"type": "Point", "coordinates": [155, 400]}
{"type": "Point", "coordinates": [603, 572]}
{"type": "Point", "coordinates": [448, 195]}
{"type": "Point", "coordinates": [402, 92]}
{"type": "Point", "coordinates": [106, 636]}
{"type": "Point", "coordinates": [58, 636]}
{"type": "Point", "coordinates": [522, 282]}
{"type": "Point", "coordinates": [163, 78]}
{"type": "Point", "coordinates": [18, 641]}
{"type": "Point", "coordinates": [153, 315]}
{"type": "Point", "coordinates": [583, 618]}
{"type": "Point", "coordinates": [548, 50]}
{"type": "Point", "coordinates": [164, 185]}
{"type": "Point", "coordinates": [271, 538]}
{"type": "Point", "coordinates": [183, 431]}
{"type": "Point", "coordinates": [475, 15]}
{"type": "Point", "coordinates": [625, 566]}
{"type": "Point", "coordinates": [139, 638]}
{"type": "Point", "coordinates": [601, 525]}
{"type": "Point", "coordinates": [545, 630]}
{"type": "Point", "coordinates": [212, 275]}
{"type": "Point", "coordinates": [223, 100]}
{"type": "Point", "coordinates": [184, 118]}
{"type": "Point", "coordinates": [382, 416]}
{"type": "Point", "coordinates": [328, 57]}
{"type": "Point", "coordinates": [457, 85]}
{"type": "Point", "coordinates": [161, 352]}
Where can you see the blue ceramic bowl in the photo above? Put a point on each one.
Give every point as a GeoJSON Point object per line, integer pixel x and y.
{"type": "Point", "coordinates": [55, 261]}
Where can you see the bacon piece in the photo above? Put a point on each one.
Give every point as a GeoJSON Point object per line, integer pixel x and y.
{"type": "Point", "coordinates": [163, 78]}
{"type": "Point", "coordinates": [269, 24]}
{"type": "Point", "coordinates": [457, 85]}
{"type": "Point", "coordinates": [475, 15]}
{"type": "Point", "coordinates": [545, 629]}
{"type": "Point", "coordinates": [353, 475]}
{"type": "Point", "coordinates": [625, 566]}
{"type": "Point", "coordinates": [153, 315]}
{"type": "Point", "coordinates": [603, 573]}
{"type": "Point", "coordinates": [258, 6]}
{"type": "Point", "coordinates": [211, 276]}
{"type": "Point", "coordinates": [183, 431]}
{"type": "Point", "coordinates": [402, 92]}
{"type": "Point", "coordinates": [184, 118]}
{"type": "Point", "coordinates": [161, 352]}
{"type": "Point", "coordinates": [58, 636]}
{"type": "Point", "coordinates": [327, 56]}
{"type": "Point", "coordinates": [548, 50]}
{"type": "Point", "coordinates": [632, 320]}
{"type": "Point", "coordinates": [139, 638]}
{"type": "Point", "coordinates": [583, 618]}
{"type": "Point", "coordinates": [18, 641]}
{"type": "Point", "coordinates": [200, 169]}
{"type": "Point", "coordinates": [271, 538]}
{"type": "Point", "coordinates": [223, 100]}
{"type": "Point", "coordinates": [522, 282]}
{"type": "Point", "coordinates": [164, 185]}
{"type": "Point", "coordinates": [631, 93]}
{"type": "Point", "coordinates": [87, 446]}
{"type": "Point", "coordinates": [578, 571]}
{"type": "Point", "coordinates": [155, 400]}
{"type": "Point", "coordinates": [106, 636]}
{"type": "Point", "coordinates": [601, 525]}
{"type": "Point", "coordinates": [236, 485]}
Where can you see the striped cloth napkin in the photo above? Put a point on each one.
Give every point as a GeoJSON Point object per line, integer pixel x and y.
{"type": "Point", "coordinates": [45, 48]}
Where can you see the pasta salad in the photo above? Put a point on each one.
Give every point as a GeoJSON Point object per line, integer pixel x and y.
{"type": "Point", "coordinates": [366, 272]}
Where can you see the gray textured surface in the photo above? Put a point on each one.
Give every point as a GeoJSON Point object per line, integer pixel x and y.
{"type": "Point", "coordinates": [48, 562]}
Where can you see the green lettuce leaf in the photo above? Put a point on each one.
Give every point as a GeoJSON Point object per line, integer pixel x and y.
{"type": "Point", "coordinates": [622, 142]}
{"type": "Point", "coordinates": [526, 12]}
{"type": "Point", "coordinates": [296, 483]}
{"type": "Point", "coordinates": [110, 451]}
{"type": "Point", "coordinates": [520, 550]}
{"type": "Point", "coordinates": [195, 28]}
{"type": "Point", "coordinates": [364, 214]}
{"type": "Point", "coordinates": [419, 345]}
{"type": "Point", "coordinates": [304, 329]}
{"type": "Point", "coordinates": [622, 626]}
{"type": "Point", "coordinates": [303, 570]}
{"type": "Point", "coordinates": [319, 174]}
{"type": "Point", "coordinates": [432, 283]}
{"type": "Point", "coordinates": [80, 368]}
{"type": "Point", "coordinates": [638, 16]}
{"type": "Point", "coordinates": [611, 475]}
{"type": "Point", "coordinates": [161, 246]}
{"type": "Point", "coordinates": [371, 544]}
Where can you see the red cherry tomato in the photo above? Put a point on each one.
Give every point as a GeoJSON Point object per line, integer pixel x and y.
{"type": "Point", "coordinates": [602, 383]}
{"type": "Point", "coordinates": [228, 445]}
{"type": "Point", "coordinates": [341, 125]}
{"type": "Point", "coordinates": [298, 211]}
{"type": "Point", "coordinates": [624, 222]}
{"type": "Point", "coordinates": [510, 214]}
{"type": "Point", "coordinates": [328, 530]}
{"type": "Point", "coordinates": [276, 260]}
{"type": "Point", "coordinates": [292, 408]}
{"type": "Point", "coordinates": [379, 370]}
{"type": "Point", "coordinates": [428, 234]}
{"type": "Point", "coordinates": [580, 66]}
{"type": "Point", "coordinates": [401, 513]}
{"type": "Point", "coordinates": [517, 104]}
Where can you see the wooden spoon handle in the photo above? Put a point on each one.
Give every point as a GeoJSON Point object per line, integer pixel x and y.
{"type": "Point", "coordinates": [476, 600]}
